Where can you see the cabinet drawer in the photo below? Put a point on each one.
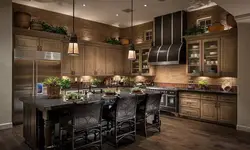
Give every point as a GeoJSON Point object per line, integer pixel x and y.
{"type": "Point", "coordinates": [209, 96]}
{"type": "Point", "coordinates": [190, 95]}
{"type": "Point", "coordinates": [228, 98]}
{"type": "Point", "coordinates": [188, 102]}
{"type": "Point", "coordinates": [190, 112]}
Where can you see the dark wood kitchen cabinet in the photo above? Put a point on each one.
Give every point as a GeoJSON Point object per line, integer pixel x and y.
{"type": "Point", "coordinates": [51, 45]}
{"type": "Point", "coordinates": [209, 110]}
{"type": "Point", "coordinates": [114, 61]}
{"type": "Point", "coordinates": [26, 43]}
{"type": "Point", "coordinates": [110, 61]}
{"type": "Point", "coordinates": [212, 54]}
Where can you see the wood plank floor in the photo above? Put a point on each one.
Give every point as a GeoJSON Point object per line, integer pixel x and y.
{"type": "Point", "coordinates": [177, 134]}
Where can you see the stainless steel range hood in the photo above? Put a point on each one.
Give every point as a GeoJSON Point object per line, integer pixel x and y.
{"type": "Point", "coordinates": [169, 47]}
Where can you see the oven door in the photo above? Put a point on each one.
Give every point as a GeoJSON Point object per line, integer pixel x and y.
{"type": "Point", "coordinates": [171, 101]}
{"type": "Point", "coordinates": [164, 100]}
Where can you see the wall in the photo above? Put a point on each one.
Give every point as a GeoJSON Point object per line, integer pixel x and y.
{"type": "Point", "coordinates": [85, 29]}
{"type": "Point", "coordinates": [6, 64]}
{"type": "Point", "coordinates": [217, 13]}
{"type": "Point", "coordinates": [243, 102]}
{"type": "Point", "coordinates": [138, 32]}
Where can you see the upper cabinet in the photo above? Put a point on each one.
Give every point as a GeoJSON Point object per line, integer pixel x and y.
{"type": "Point", "coordinates": [50, 45]}
{"type": "Point", "coordinates": [212, 54]}
{"type": "Point", "coordinates": [94, 58]}
{"type": "Point", "coordinates": [194, 57]}
{"type": "Point", "coordinates": [211, 57]}
{"type": "Point", "coordinates": [126, 63]}
{"type": "Point", "coordinates": [26, 43]}
{"type": "Point", "coordinates": [140, 66]}
{"type": "Point", "coordinates": [72, 65]}
{"type": "Point", "coordinates": [37, 44]}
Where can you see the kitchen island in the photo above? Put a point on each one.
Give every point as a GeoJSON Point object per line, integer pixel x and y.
{"type": "Point", "coordinates": [41, 115]}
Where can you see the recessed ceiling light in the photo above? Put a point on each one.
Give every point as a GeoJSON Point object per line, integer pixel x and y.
{"type": "Point", "coordinates": [145, 5]}
{"type": "Point", "coordinates": [83, 5]}
{"type": "Point", "coordinates": [117, 15]}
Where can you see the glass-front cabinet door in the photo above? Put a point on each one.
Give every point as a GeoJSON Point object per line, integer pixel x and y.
{"type": "Point", "coordinates": [211, 57]}
{"type": "Point", "coordinates": [144, 61]}
{"type": "Point", "coordinates": [194, 58]}
{"type": "Point", "coordinates": [136, 63]}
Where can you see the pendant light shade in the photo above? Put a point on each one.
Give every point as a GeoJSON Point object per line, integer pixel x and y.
{"type": "Point", "coordinates": [73, 49]}
{"type": "Point", "coordinates": [131, 52]}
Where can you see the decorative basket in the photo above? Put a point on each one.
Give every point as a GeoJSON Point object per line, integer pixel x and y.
{"type": "Point", "coordinates": [124, 41]}
{"type": "Point", "coordinates": [22, 19]}
{"type": "Point", "coordinates": [36, 26]}
{"type": "Point", "coordinates": [53, 92]}
{"type": "Point", "coordinates": [216, 27]}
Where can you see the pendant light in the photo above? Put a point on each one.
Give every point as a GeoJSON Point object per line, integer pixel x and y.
{"type": "Point", "coordinates": [73, 45]}
{"type": "Point", "coordinates": [131, 52]}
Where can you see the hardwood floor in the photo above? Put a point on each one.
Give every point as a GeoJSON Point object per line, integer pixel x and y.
{"type": "Point", "coordinates": [177, 134]}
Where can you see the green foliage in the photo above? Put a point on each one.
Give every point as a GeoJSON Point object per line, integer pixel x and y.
{"type": "Point", "coordinates": [109, 90]}
{"type": "Point", "coordinates": [195, 30]}
{"type": "Point", "coordinates": [55, 81]}
{"type": "Point", "coordinates": [74, 96]}
{"type": "Point", "coordinates": [136, 89]}
{"type": "Point", "coordinates": [202, 82]}
{"type": "Point", "coordinates": [53, 29]}
{"type": "Point", "coordinates": [52, 81]}
{"type": "Point", "coordinates": [96, 81]}
{"type": "Point", "coordinates": [113, 41]}
{"type": "Point", "coordinates": [65, 83]}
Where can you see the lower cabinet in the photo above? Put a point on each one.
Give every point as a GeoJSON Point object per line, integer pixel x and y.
{"type": "Point", "coordinates": [209, 110]}
{"type": "Point", "coordinates": [212, 107]}
{"type": "Point", "coordinates": [227, 112]}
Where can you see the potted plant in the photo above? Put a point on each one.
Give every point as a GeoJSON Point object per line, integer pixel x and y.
{"type": "Point", "coordinates": [36, 24]}
{"type": "Point", "coordinates": [96, 82]}
{"type": "Point", "coordinates": [203, 84]}
{"type": "Point", "coordinates": [64, 84]}
{"type": "Point", "coordinates": [109, 92]}
{"type": "Point", "coordinates": [53, 87]}
{"type": "Point", "coordinates": [136, 90]}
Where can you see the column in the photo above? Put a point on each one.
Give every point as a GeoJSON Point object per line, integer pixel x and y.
{"type": "Point", "coordinates": [243, 104]}
{"type": "Point", "coordinates": [5, 64]}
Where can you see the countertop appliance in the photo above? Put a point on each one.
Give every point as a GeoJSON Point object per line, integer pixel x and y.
{"type": "Point", "coordinates": [169, 100]}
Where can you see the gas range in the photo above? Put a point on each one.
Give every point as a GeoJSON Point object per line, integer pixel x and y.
{"type": "Point", "coordinates": [169, 99]}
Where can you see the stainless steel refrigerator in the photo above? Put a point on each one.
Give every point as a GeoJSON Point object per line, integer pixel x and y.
{"type": "Point", "coordinates": [31, 67]}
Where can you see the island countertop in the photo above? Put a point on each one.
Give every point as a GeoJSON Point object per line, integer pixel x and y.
{"type": "Point", "coordinates": [43, 103]}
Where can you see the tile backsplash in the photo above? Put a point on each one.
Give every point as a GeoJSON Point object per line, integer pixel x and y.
{"type": "Point", "coordinates": [176, 74]}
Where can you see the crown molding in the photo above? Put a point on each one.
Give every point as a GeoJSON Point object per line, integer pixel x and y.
{"type": "Point", "coordinates": [245, 18]}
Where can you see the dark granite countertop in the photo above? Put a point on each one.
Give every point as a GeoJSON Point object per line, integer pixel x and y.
{"type": "Point", "coordinates": [206, 91]}
{"type": "Point", "coordinates": [43, 103]}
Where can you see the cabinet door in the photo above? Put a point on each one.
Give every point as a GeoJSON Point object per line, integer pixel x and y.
{"type": "Point", "coordinates": [51, 45]}
{"type": "Point", "coordinates": [208, 110]}
{"type": "Point", "coordinates": [194, 58]}
{"type": "Point", "coordinates": [26, 43]}
{"type": "Point", "coordinates": [78, 62]}
{"type": "Point", "coordinates": [211, 57]}
{"type": "Point", "coordinates": [227, 112]}
{"type": "Point", "coordinates": [100, 61]}
{"type": "Point", "coordinates": [126, 64]}
{"type": "Point", "coordinates": [89, 60]}
{"type": "Point", "coordinates": [118, 62]}
{"type": "Point", "coordinates": [66, 61]}
{"type": "Point", "coordinates": [110, 61]}
{"type": "Point", "coordinates": [229, 56]}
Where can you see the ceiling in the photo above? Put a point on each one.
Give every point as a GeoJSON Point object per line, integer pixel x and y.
{"type": "Point", "coordinates": [110, 11]}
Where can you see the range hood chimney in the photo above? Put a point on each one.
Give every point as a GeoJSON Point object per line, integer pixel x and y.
{"type": "Point", "coordinates": [169, 46]}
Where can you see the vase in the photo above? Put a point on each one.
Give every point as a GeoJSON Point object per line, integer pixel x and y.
{"type": "Point", "coordinates": [53, 92]}
{"type": "Point", "coordinates": [22, 19]}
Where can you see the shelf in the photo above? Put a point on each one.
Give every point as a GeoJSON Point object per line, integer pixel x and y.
{"type": "Point", "coordinates": [211, 48]}
{"type": "Point", "coordinates": [145, 68]}
{"type": "Point", "coordinates": [194, 57]}
{"type": "Point", "coordinates": [215, 56]}
{"type": "Point", "coordinates": [211, 65]}
{"type": "Point", "coordinates": [194, 49]}
{"type": "Point", "coordinates": [194, 65]}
